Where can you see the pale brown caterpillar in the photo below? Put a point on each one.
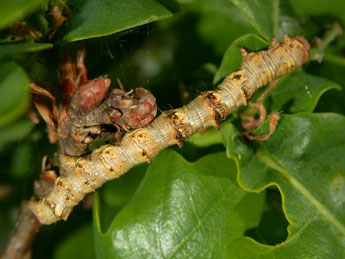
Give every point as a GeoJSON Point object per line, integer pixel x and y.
{"type": "Point", "coordinates": [81, 175]}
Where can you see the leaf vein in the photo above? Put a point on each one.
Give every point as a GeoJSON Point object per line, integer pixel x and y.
{"type": "Point", "coordinates": [274, 164]}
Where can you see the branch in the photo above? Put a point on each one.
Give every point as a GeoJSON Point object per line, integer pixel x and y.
{"type": "Point", "coordinates": [317, 53]}
{"type": "Point", "coordinates": [84, 174]}
{"type": "Point", "coordinates": [19, 244]}
{"type": "Point", "coordinates": [27, 224]}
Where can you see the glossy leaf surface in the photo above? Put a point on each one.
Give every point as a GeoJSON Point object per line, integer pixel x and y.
{"type": "Point", "coordinates": [332, 67]}
{"type": "Point", "coordinates": [298, 92]}
{"type": "Point", "coordinates": [304, 158]}
{"type": "Point", "coordinates": [96, 18]}
{"type": "Point", "coordinates": [262, 14]}
{"type": "Point", "coordinates": [179, 209]}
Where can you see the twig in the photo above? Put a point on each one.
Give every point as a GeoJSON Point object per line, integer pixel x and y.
{"type": "Point", "coordinates": [318, 52]}
{"type": "Point", "coordinates": [82, 175]}
{"type": "Point", "coordinates": [27, 225]}
{"type": "Point", "coordinates": [19, 244]}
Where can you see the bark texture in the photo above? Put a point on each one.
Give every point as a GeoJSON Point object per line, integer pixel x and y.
{"type": "Point", "coordinates": [82, 175]}
{"type": "Point", "coordinates": [22, 236]}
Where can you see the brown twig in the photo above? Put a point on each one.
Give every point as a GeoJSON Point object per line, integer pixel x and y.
{"type": "Point", "coordinates": [27, 225]}
{"type": "Point", "coordinates": [19, 244]}
{"type": "Point", "coordinates": [82, 175]}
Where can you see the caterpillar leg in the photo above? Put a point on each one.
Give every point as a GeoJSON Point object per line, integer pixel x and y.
{"type": "Point", "coordinates": [268, 89]}
{"type": "Point", "coordinates": [244, 52]}
{"type": "Point", "coordinates": [250, 123]}
{"type": "Point", "coordinates": [49, 174]}
{"type": "Point", "coordinates": [274, 118]}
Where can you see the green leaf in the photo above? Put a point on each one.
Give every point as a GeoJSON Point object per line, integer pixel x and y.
{"type": "Point", "coordinates": [296, 26]}
{"type": "Point", "coordinates": [232, 58]}
{"type": "Point", "coordinates": [273, 225]}
{"type": "Point", "coordinates": [78, 245]}
{"type": "Point", "coordinates": [96, 18]}
{"type": "Point", "coordinates": [115, 194]}
{"type": "Point", "coordinates": [12, 10]}
{"type": "Point", "coordinates": [179, 209]}
{"type": "Point", "coordinates": [118, 193]}
{"type": "Point", "coordinates": [14, 92]}
{"type": "Point", "coordinates": [214, 18]}
{"type": "Point", "coordinates": [304, 159]}
{"type": "Point", "coordinates": [8, 50]}
{"type": "Point", "coordinates": [298, 92]}
{"type": "Point", "coordinates": [332, 67]}
{"type": "Point", "coordinates": [292, 24]}
{"type": "Point", "coordinates": [15, 132]}
{"type": "Point", "coordinates": [262, 14]}
{"type": "Point", "coordinates": [319, 7]}
{"type": "Point", "coordinates": [21, 164]}
{"type": "Point", "coordinates": [208, 138]}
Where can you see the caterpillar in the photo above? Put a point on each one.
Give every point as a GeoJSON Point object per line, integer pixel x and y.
{"type": "Point", "coordinates": [82, 175]}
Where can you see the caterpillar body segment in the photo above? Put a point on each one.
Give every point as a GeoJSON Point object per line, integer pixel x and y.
{"type": "Point", "coordinates": [82, 175]}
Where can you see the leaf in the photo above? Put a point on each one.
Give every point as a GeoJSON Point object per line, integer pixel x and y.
{"type": "Point", "coordinates": [14, 92]}
{"type": "Point", "coordinates": [232, 58]}
{"type": "Point", "coordinates": [298, 92]}
{"type": "Point", "coordinates": [273, 225]}
{"type": "Point", "coordinates": [262, 14]}
{"type": "Point", "coordinates": [12, 10]}
{"type": "Point", "coordinates": [96, 18]}
{"type": "Point", "coordinates": [219, 23]}
{"type": "Point", "coordinates": [179, 209]}
{"type": "Point", "coordinates": [115, 194]}
{"type": "Point", "coordinates": [22, 161]}
{"type": "Point", "coordinates": [208, 138]}
{"type": "Point", "coordinates": [304, 159]}
{"type": "Point", "coordinates": [8, 50]}
{"type": "Point", "coordinates": [332, 67]}
{"type": "Point", "coordinates": [319, 7]}
{"type": "Point", "coordinates": [78, 245]}
{"type": "Point", "coordinates": [296, 26]}
{"type": "Point", "coordinates": [15, 132]}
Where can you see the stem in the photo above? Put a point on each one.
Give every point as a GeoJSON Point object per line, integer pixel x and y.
{"type": "Point", "coordinates": [19, 244]}
{"type": "Point", "coordinates": [82, 175]}
{"type": "Point", "coordinates": [27, 224]}
{"type": "Point", "coordinates": [317, 53]}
